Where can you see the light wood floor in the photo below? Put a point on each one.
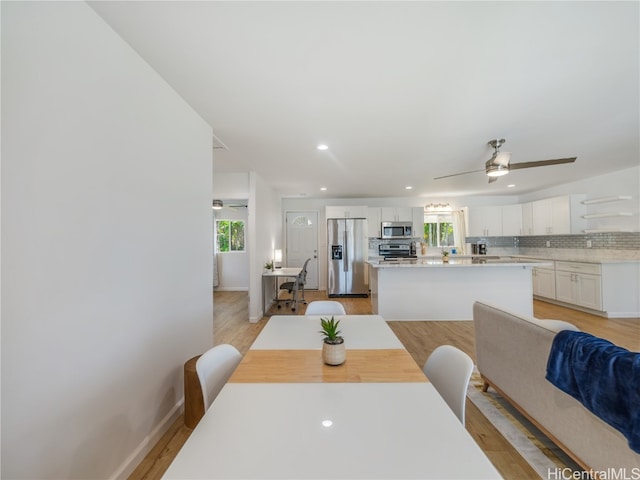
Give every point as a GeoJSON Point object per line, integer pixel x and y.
{"type": "Point", "coordinates": [231, 325]}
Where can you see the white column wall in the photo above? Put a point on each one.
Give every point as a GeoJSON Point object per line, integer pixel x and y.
{"type": "Point", "coordinates": [106, 245]}
{"type": "Point", "coordinates": [265, 232]}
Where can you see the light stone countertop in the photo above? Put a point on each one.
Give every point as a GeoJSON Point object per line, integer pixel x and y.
{"type": "Point", "coordinates": [457, 261]}
{"type": "Point", "coordinates": [597, 256]}
{"type": "Point", "coordinates": [583, 256]}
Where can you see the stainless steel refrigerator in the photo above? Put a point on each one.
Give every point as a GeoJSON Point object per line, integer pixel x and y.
{"type": "Point", "coordinates": [347, 248]}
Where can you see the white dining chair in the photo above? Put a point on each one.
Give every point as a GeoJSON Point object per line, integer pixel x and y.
{"type": "Point", "coordinates": [214, 367]}
{"type": "Point", "coordinates": [325, 307]}
{"type": "Point", "coordinates": [449, 370]}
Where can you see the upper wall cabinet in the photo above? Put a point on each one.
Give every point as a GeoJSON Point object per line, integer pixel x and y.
{"type": "Point", "coordinates": [562, 215]}
{"type": "Point", "coordinates": [527, 218]}
{"type": "Point", "coordinates": [396, 214]}
{"type": "Point", "coordinates": [512, 220]}
{"type": "Point", "coordinates": [418, 222]}
{"type": "Point", "coordinates": [558, 215]}
{"type": "Point", "coordinates": [377, 215]}
{"type": "Point", "coordinates": [346, 212]}
{"type": "Point", "coordinates": [373, 222]}
{"type": "Point", "coordinates": [484, 221]}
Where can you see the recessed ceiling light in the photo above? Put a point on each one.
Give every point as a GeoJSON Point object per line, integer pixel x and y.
{"type": "Point", "coordinates": [408, 187]}
{"type": "Point", "coordinates": [322, 146]}
{"type": "Point", "coordinates": [324, 189]}
{"type": "Point", "coordinates": [511, 185]}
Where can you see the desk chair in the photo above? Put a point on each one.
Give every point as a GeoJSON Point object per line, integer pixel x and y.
{"type": "Point", "coordinates": [325, 307]}
{"type": "Point", "coordinates": [449, 370]}
{"type": "Point", "coordinates": [295, 286]}
{"type": "Point", "coordinates": [214, 367]}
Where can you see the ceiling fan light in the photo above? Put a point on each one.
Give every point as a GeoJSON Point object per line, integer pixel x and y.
{"type": "Point", "coordinates": [217, 204]}
{"type": "Point", "coordinates": [497, 170]}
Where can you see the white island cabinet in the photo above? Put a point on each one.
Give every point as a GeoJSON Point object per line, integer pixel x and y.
{"type": "Point", "coordinates": [428, 289]}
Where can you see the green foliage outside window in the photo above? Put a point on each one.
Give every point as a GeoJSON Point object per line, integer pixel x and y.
{"type": "Point", "coordinates": [230, 235]}
{"type": "Point", "coordinates": [438, 230]}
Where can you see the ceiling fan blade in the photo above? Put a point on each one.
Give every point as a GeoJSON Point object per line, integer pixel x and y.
{"type": "Point", "coordinates": [502, 159]}
{"type": "Point", "coordinates": [456, 174]}
{"type": "Point", "coordinates": [542, 163]}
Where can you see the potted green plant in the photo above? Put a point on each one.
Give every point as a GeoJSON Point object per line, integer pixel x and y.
{"type": "Point", "coordinates": [445, 255]}
{"type": "Point", "coordinates": [269, 265]}
{"type": "Point", "coordinates": [333, 348]}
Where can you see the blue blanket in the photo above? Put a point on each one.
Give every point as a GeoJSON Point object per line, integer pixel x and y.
{"type": "Point", "coordinates": [604, 377]}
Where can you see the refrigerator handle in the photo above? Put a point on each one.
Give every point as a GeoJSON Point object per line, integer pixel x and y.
{"type": "Point", "coordinates": [345, 262]}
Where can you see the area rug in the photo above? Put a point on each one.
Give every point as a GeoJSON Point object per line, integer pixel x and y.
{"type": "Point", "coordinates": [537, 450]}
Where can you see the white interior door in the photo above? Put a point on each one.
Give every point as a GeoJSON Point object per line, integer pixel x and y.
{"type": "Point", "coordinates": [302, 243]}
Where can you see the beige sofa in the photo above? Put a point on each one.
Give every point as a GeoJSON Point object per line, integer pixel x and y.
{"type": "Point", "coordinates": [512, 352]}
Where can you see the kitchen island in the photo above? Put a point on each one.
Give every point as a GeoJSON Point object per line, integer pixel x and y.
{"type": "Point", "coordinates": [429, 289]}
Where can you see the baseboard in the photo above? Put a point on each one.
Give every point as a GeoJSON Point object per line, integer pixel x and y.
{"type": "Point", "coordinates": [141, 451]}
{"type": "Point", "coordinates": [623, 314]}
{"type": "Point", "coordinates": [230, 289]}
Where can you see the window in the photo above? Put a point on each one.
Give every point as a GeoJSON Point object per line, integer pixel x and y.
{"type": "Point", "coordinates": [438, 229]}
{"type": "Point", "coordinates": [230, 235]}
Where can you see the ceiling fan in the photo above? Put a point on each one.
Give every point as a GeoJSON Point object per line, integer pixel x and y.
{"type": "Point", "coordinates": [218, 204]}
{"type": "Point", "coordinates": [498, 165]}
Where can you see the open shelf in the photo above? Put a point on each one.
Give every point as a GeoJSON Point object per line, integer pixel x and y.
{"type": "Point", "coordinates": [611, 199]}
{"type": "Point", "coordinates": [604, 215]}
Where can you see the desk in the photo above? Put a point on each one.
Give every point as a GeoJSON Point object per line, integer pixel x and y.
{"type": "Point", "coordinates": [356, 428]}
{"type": "Point", "coordinates": [290, 273]}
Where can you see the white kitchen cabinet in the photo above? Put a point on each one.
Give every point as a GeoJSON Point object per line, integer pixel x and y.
{"type": "Point", "coordinates": [396, 214]}
{"type": "Point", "coordinates": [579, 284]}
{"type": "Point", "coordinates": [527, 218]}
{"type": "Point", "coordinates": [544, 282]}
{"type": "Point", "coordinates": [558, 215]}
{"type": "Point", "coordinates": [418, 222]}
{"type": "Point", "coordinates": [512, 220]}
{"type": "Point", "coordinates": [621, 289]}
{"type": "Point", "coordinates": [542, 217]}
{"type": "Point", "coordinates": [346, 211]}
{"type": "Point", "coordinates": [373, 222]}
{"type": "Point", "coordinates": [484, 221]}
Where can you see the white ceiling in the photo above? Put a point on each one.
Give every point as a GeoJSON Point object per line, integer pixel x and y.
{"type": "Point", "coordinates": [400, 91]}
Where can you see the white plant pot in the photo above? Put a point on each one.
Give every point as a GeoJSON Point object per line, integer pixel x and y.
{"type": "Point", "coordinates": [334, 353]}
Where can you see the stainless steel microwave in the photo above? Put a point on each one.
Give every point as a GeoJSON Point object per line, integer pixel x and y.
{"type": "Point", "coordinates": [396, 229]}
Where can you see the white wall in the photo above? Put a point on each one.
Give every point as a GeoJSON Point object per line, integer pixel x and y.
{"type": "Point", "coordinates": [106, 245]}
{"type": "Point", "coordinates": [231, 185]}
{"type": "Point", "coordinates": [233, 267]}
{"type": "Point", "coordinates": [265, 233]}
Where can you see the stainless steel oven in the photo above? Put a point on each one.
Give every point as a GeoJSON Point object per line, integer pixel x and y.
{"type": "Point", "coordinates": [396, 230]}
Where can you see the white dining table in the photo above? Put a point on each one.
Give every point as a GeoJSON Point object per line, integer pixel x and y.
{"type": "Point", "coordinates": [374, 417]}
{"type": "Point", "coordinates": [302, 332]}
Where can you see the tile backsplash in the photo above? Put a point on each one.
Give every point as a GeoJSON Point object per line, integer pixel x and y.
{"type": "Point", "coordinates": [608, 241]}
